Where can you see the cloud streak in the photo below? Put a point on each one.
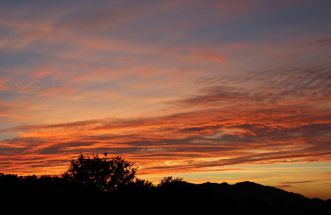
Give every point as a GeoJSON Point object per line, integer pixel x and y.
{"type": "Point", "coordinates": [189, 87]}
{"type": "Point", "coordinates": [184, 139]}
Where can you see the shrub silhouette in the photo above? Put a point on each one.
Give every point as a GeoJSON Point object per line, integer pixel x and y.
{"type": "Point", "coordinates": [100, 174]}
{"type": "Point", "coordinates": [169, 180]}
{"type": "Point", "coordinates": [170, 184]}
{"type": "Point", "coordinates": [139, 186]}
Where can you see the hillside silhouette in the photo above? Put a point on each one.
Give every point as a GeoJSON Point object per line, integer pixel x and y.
{"type": "Point", "coordinates": [95, 180]}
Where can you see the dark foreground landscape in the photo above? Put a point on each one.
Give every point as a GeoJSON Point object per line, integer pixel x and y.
{"type": "Point", "coordinates": [109, 184]}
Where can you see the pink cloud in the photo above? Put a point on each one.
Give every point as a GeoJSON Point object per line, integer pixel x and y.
{"type": "Point", "coordinates": [217, 58]}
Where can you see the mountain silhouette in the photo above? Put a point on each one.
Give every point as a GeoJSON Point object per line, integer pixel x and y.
{"type": "Point", "coordinates": [105, 184]}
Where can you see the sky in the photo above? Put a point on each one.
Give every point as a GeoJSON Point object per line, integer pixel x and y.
{"type": "Point", "coordinates": [207, 90]}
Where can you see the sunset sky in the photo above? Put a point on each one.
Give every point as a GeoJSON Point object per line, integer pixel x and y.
{"type": "Point", "coordinates": [206, 90]}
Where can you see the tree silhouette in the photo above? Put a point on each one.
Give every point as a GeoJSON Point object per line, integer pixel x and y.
{"type": "Point", "coordinates": [100, 174]}
{"type": "Point", "coordinates": [115, 176]}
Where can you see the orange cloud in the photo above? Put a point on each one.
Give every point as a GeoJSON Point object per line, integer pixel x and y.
{"type": "Point", "coordinates": [189, 83]}
{"type": "Point", "coordinates": [207, 131]}
{"type": "Point", "coordinates": [179, 142]}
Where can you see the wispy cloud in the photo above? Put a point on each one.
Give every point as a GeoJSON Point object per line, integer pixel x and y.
{"type": "Point", "coordinates": [176, 86]}
{"type": "Point", "coordinates": [229, 137]}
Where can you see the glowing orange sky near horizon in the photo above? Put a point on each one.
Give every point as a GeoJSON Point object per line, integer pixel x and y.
{"type": "Point", "coordinates": [205, 90]}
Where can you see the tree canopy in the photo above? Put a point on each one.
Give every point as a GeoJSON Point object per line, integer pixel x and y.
{"type": "Point", "coordinates": [103, 174]}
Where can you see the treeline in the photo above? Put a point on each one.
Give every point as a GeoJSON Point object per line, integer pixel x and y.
{"type": "Point", "coordinates": [87, 173]}
{"type": "Point", "coordinates": [111, 183]}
